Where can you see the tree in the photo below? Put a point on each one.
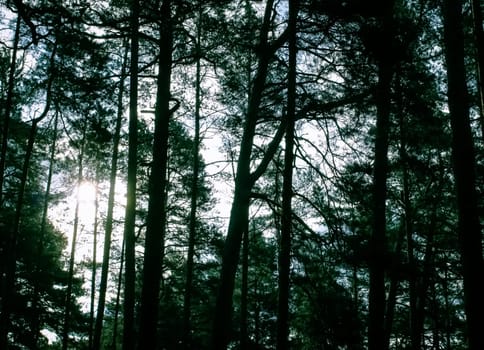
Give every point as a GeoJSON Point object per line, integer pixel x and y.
{"type": "Point", "coordinates": [156, 219]}
{"type": "Point", "coordinates": [286, 216]}
{"type": "Point", "coordinates": [244, 182]}
{"type": "Point", "coordinates": [469, 230]}
{"type": "Point", "coordinates": [108, 230]}
{"type": "Point", "coordinates": [130, 214]}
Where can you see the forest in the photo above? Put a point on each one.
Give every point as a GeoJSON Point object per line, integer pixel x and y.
{"type": "Point", "coordinates": [241, 174]}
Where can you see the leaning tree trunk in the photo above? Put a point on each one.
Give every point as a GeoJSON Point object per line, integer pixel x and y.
{"type": "Point", "coordinates": [130, 211]}
{"type": "Point", "coordinates": [286, 216]}
{"type": "Point", "coordinates": [156, 219]}
{"type": "Point", "coordinates": [469, 230]}
{"type": "Point", "coordinates": [108, 228]}
{"type": "Point", "coordinates": [244, 182]}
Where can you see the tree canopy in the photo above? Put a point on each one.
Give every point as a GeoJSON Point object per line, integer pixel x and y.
{"type": "Point", "coordinates": [239, 174]}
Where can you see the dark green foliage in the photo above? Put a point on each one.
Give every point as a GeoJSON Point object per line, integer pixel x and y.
{"type": "Point", "coordinates": [70, 54]}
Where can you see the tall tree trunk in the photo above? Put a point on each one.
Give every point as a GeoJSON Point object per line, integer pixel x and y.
{"type": "Point", "coordinates": [108, 228]}
{"type": "Point", "coordinates": [13, 234]}
{"type": "Point", "coordinates": [393, 290]}
{"type": "Point", "coordinates": [156, 219]}
{"type": "Point", "coordinates": [117, 302]}
{"type": "Point", "coordinates": [70, 278]}
{"type": "Point", "coordinates": [469, 230]}
{"type": "Point", "coordinates": [40, 249]}
{"type": "Point", "coordinates": [244, 182]}
{"type": "Point", "coordinates": [4, 289]}
{"type": "Point", "coordinates": [192, 225]}
{"type": "Point", "coordinates": [244, 290]}
{"type": "Point", "coordinates": [130, 211]}
{"type": "Point", "coordinates": [244, 287]}
{"type": "Point", "coordinates": [8, 109]}
{"type": "Point", "coordinates": [92, 319]}
{"type": "Point", "coordinates": [286, 216]}
{"type": "Point", "coordinates": [415, 335]}
{"type": "Point", "coordinates": [376, 322]}
{"type": "Point", "coordinates": [479, 38]}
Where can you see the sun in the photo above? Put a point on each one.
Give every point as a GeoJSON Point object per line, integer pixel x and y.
{"type": "Point", "coordinates": [86, 196]}
{"type": "Point", "coordinates": [86, 192]}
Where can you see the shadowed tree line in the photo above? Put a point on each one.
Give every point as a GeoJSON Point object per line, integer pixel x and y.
{"type": "Point", "coordinates": [293, 174]}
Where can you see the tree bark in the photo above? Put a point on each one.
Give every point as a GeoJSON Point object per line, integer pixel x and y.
{"type": "Point", "coordinates": [70, 278]}
{"type": "Point", "coordinates": [469, 230]}
{"type": "Point", "coordinates": [108, 229]}
{"type": "Point", "coordinates": [45, 207]}
{"type": "Point", "coordinates": [376, 322]}
{"type": "Point", "coordinates": [13, 236]}
{"type": "Point", "coordinates": [286, 216]}
{"type": "Point", "coordinates": [479, 38]}
{"type": "Point", "coordinates": [192, 225]}
{"type": "Point", "coordinates": [130, 211]}
{"type": "Point", "coordinates": [244, 182]}
{"type": "Point", "coordinates": [156, 219]}
{"type": "Point", "coordinates": [8, 109]}
{"type": "Point", "coordinates": [244, 291]}
{"type": "Point", "coordinates": [94, 257]}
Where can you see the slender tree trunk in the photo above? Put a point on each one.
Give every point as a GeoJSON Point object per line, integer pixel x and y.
{"type": "Point", "coordinates": [8, 109]}
{"type": "Point", "coordinates": [40, 250]}
{"type": "Point", "coordinates": [394, 284]}
{"type": "Point", "coordinates": [156, 220]}
{"type": "Point", "coordinates": [244, 292]}
{"type": "Point", "coordinates": [286, 217]}
{"type": "Point", "coordinates": [118, 297]}
{"type": "Point", "coordinates": [469, 230]}
{"type": "Point", "coordinates": [407, 224]}
{"type": "Point", "coordinates": [70, 278]}
{"type": "Point", "coordinates": [92, 319]}
{"type": "Point", "coordinates": [192, 225]}
{"type": "Point", "coordinates": [239, 213]}
{"type": "Point", "coordinates": [4, 288]}
{"type": "Point", "coordinates": [130, 213]}
{"type": "Point", "coordinates": [13, 236]}
{"type": "Point", "coordinates": [108, 229]}
{"type": "Point", "coordinates": [376, 322]}
{"type": "Point", "coordinates": [479, 38]}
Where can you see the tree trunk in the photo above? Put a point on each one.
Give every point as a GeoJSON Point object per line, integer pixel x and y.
{"type": "Point", "coordinates": [13, 236]}
{"type": "Point", "coordinates": [469, 230]}
{"type": "Point", "coordinates": [108, 230]}
{"type": "Point", "coordinates": [45, 207]}
{"type": "Point", "coordinates": [117, 302]}
{"type": "Point", "coordinates": [70, 278]}
{"type": "Point", "coordinates": [130, 211]}
{"type": "Point", "coordinates": [192, 225]}
{"type": "Point", "coordinates": [286, 216]}
{"type": "Point", "coordinates": [394, 284]}
{"type": "Point", "coordinates": [479, 38]}
{"type": "Point", "coordinates": [244, 182]}
{"type": "Point", "coordinates": [156, 219]}
{"type": "Point", "coordinates": [8, 109]}
{"type": "Point", "coordinates": [244, 292]}
{"type": "Point", "coordinates": [94, 257]}
{"type": "Point", "coordinates": [376, 322]}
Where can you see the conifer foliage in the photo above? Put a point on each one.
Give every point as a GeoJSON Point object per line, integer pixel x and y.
{"type": "Point", "coordinates": [239, 174]}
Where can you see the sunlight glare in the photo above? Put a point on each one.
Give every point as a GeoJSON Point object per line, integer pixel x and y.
{"type": "Point", "coordinates": [86, 195]}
